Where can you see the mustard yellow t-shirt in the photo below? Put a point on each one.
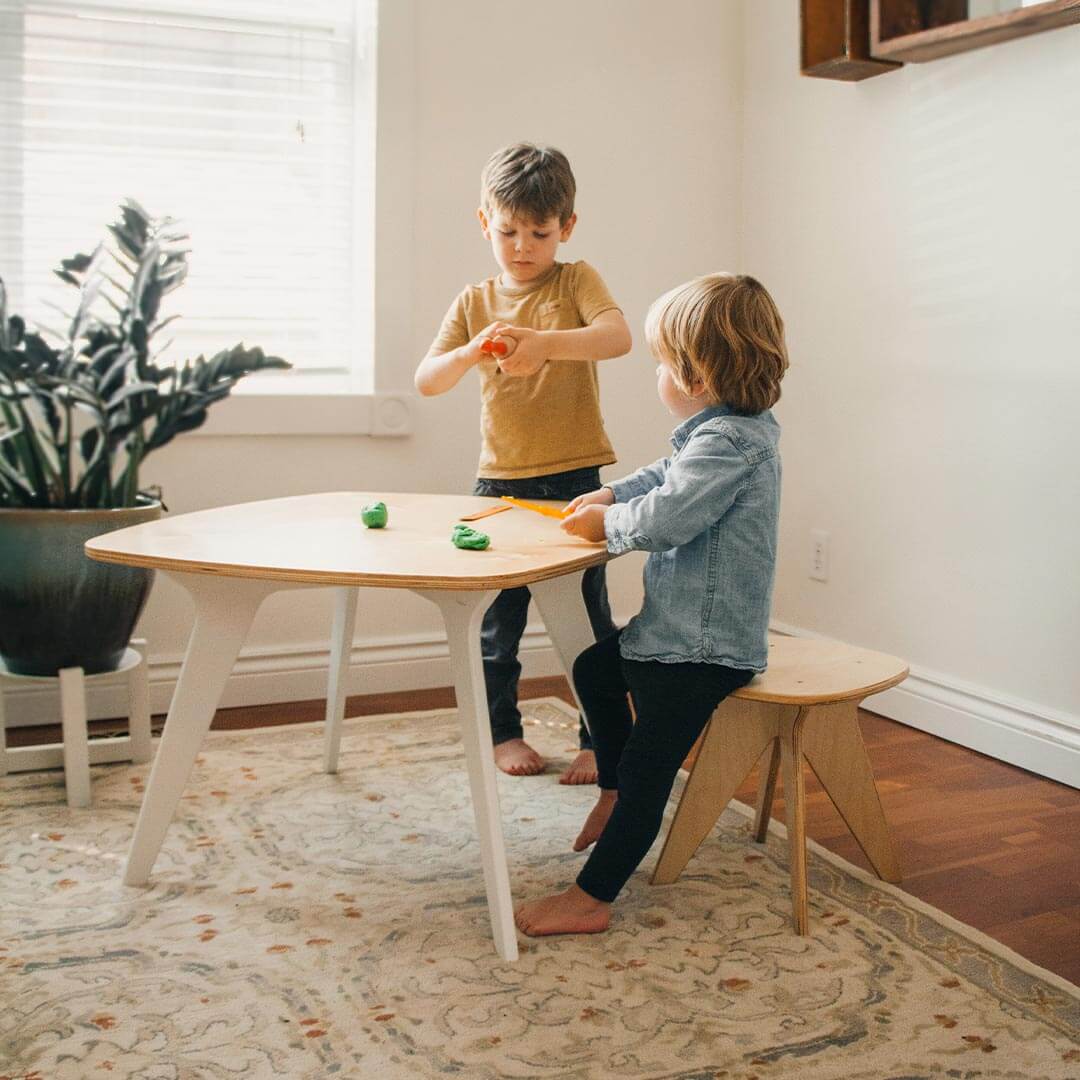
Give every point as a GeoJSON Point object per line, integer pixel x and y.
{"type": "Point", "coordinates": [549, 422]}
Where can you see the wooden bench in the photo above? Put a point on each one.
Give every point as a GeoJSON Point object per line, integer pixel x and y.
{"type": "Point", "coordinates": [804, 706]}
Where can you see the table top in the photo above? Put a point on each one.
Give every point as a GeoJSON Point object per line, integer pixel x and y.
{"type": "Point", "coordinates": [320, 540]}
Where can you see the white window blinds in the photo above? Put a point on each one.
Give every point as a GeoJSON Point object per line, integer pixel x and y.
{"type": "Point", "coordinates": [247, 120]}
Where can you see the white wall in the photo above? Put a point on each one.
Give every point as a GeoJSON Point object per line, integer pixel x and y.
{"type": "Point", "coordinates": [920, 233]}
{"type": "Point", "coordinates": [644, 98]}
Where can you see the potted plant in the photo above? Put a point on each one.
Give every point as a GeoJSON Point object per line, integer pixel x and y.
{"type": "Point", "coordinates": [80, 409]}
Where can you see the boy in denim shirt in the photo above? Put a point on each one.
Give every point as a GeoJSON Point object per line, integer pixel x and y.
{"type": "Point", "coordinates": [708, 516]}
{"type": "Point", "coordinates": [534, 333]}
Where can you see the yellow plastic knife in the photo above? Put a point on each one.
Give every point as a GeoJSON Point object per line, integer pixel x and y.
{"type": "Point", "coordinates": [536, 508]}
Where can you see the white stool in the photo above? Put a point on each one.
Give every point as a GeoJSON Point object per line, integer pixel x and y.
{"type": "Point", "coordinates": [76, 754]}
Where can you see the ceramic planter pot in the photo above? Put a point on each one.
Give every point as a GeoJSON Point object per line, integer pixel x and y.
{"type": "Point", "coordinates": [57, 607]}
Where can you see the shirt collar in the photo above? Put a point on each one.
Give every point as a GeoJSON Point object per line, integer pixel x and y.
{"type": "Point", "coordinates": [687, 428]}
{"type": "Point", "coordinates": [529, 286]}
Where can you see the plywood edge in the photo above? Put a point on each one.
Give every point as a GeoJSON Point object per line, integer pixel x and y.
{"type": "Point", "coordinates": [750, 693]}
{"type": "Point", "coordinates": [331, 578]}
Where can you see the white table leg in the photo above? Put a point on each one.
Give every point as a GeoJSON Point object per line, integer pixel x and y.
{"type": "Point", "coordinates": [562, 608]}
{"type": "Point", "coordinates": [340, 650]}
{"type": "Point", "coordinates": [224, 610]}
{"type": "Point", "coordinates": [139, 706]}
{"type": "Point", "coordinates": [76, 738]}
{"type": "Point", "coordinates": [463, 612]}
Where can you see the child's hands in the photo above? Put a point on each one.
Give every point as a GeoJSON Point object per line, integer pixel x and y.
{"type": "Point", "coordinates": [499, 347]}
{"type": "Point", "coordinates": [600, 497]}
{"type": "Point", "coordinates": [587, 522]}
{"type": "Point", "coordinates": [477, 352]}
{"type": "Point", "coordinates": [586, 517]}
{"type": "Point", "coordinates": [529, 355]}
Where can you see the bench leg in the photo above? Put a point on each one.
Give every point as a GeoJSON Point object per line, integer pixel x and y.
{"type": "Point", "coordinates": [791, 755]}
{"type": "Point", "coordinates": [833, 745]}
{"type": "Point", "coordinates": [740, 734]}
{"type": "Point", "coordinates": [735, 738]}
{"type": "Point", "coordinates": [770, 767]}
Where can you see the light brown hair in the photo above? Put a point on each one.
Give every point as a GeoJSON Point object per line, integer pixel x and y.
{"type": "Point", "coordinates": [724, 330]}
{"type": "Point", "coordinates": [533, 182]}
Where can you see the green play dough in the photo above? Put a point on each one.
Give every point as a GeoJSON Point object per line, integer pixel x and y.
{"type": "Point", "coordinates": [374, 515]}
{"type": "Point", "coordinates": [470, 539]}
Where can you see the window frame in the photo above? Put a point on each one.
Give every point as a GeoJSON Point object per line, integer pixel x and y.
{"type": "Point", "coordinates": [357, 401]}
{"type": "Point", "coordinates": [358, 404]}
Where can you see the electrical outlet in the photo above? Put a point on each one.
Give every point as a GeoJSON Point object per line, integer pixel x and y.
{"type": "Point", "coordinates": [390, 415]}
{"type": "Point", "coordinates": [819, 555]}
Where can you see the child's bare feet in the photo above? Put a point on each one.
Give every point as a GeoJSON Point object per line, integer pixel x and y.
{"type": "Point", "coordinates": [518, 758]}
{"type": "Point", "coordinates": [570, 912]}
{"type": "Point", "coordinates": [597, 819]}
{"type": "Point", "coordinates": [582, 770]}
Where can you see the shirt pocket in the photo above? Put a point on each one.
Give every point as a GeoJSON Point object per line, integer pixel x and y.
{"type": "Point", "coordinates": [557, 315]}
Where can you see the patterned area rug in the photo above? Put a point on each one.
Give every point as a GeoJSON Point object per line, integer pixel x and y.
{"type": "Point", "coordinates": [303, 925]}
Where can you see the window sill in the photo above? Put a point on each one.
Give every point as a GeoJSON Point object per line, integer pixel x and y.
{"type": "Point", "coordinates": [317, 405]}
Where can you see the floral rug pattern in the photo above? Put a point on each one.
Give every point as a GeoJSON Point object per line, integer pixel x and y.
{"type": "Point", "coordinates": [301, 925]}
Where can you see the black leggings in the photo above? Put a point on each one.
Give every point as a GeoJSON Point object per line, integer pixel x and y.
{"type": "Point", "coordinates": [672, 704]}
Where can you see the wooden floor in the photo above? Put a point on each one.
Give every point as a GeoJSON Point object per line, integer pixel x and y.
{"type": "Point", "coordinates": [994, 846]}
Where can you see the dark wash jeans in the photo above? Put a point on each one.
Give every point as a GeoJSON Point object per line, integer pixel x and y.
{"type": "Point", "coordinates": [505, 620]}
{"type": "Point", "coordinates": [639, 756]}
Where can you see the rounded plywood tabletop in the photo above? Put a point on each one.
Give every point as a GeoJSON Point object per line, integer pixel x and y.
{"type": "Point", "coordinates": [320, 540]}
{"type": "Point", "coordinates": [810, 671]}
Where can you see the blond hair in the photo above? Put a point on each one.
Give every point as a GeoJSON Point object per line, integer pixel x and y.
{"type": "Point", "coordinates": [533, 182]}
{"type": "Point", "coordinates": [723, 330]}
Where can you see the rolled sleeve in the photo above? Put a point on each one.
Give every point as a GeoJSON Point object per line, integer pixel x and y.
{"type": "Point", "coordinates": [700, 486]}
{"type": "Point", "coordinates": [638, 483]}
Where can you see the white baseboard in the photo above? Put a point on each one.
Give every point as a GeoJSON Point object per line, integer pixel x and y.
{"type": "Point", "coordinates": [1031, 736]}
{"type": "Point", "coordinates": [298, 673]}
{"type": "Point", "coordinates": [1023, 734]}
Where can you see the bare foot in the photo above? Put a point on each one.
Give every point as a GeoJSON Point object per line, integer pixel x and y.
{"type": "Point", "coordinates": [582, 770]}
{"type": "Point", "coordinates": [570, 912]}
{"type": "Point", "coordinates": [597, 819]}
{"type": "Point", "coordinates": [518, 758]}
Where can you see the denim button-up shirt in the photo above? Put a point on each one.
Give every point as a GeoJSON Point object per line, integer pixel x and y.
{"type": "Point", "coordinates": [709, 516]}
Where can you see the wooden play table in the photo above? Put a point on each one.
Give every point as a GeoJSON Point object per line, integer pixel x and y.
{"type": "Point", "coordinates": [230, 559]}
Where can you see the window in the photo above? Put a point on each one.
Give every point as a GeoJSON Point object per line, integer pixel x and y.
{"type": "Point", "coordinates": [250, 121]}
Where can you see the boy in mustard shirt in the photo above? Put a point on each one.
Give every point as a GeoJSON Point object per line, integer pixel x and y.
{"type": "Point", "coordinates": [541, 429]}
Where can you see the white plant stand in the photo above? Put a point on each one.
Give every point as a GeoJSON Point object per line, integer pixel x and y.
{"type": "Point", "coordinates": [75, 754]}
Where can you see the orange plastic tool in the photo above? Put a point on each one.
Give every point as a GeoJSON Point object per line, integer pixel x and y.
{"type": "Point", "coordinates": [547, 511]}
{"type": "Point", "coordinates": [498, 348]}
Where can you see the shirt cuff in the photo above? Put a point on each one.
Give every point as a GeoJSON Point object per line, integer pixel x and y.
{"type": "Point", "coordinates": [618, 530]}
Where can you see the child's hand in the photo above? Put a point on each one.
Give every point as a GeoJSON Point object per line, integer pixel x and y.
{"type": "Point", "coordinates": [476, 350]}
{"type": "Point", "coordinates": [530, 354]}
{"type": "Point", "coordinates": [498, 347]}
{"type": "Point", "coordinates": [588, 522]}
{"type": "Point", "coordinates": [600, 497]}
